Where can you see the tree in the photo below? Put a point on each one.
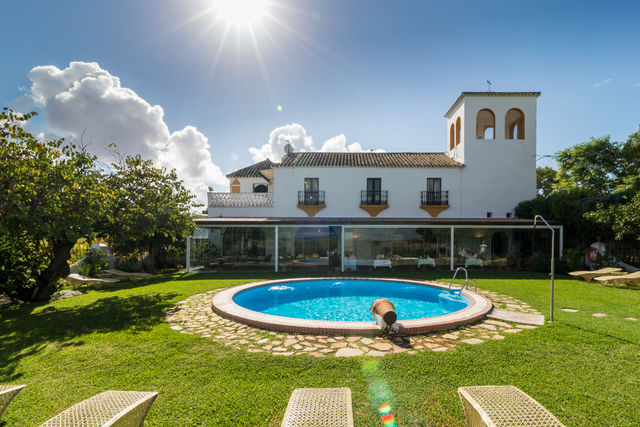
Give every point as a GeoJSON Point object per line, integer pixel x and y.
{"type": "Point", "coordinates": [151, 210]}
{"type": "Point", "coordinates": [51, 194]}
{"type": "Point", "coordinates": [546, 180]}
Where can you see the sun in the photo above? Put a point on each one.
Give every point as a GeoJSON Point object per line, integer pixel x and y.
{"type": "Point", "coordinates": [240, 13]}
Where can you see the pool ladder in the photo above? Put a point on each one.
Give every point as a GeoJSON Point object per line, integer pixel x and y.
{"type": "Point", "coordinates": [465, 284]}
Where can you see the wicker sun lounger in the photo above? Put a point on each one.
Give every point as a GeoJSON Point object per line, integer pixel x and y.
{"type": "Point", "coordinates": [7, 393]}
{"type": "Point", "coordinates": [314, 407]}
{"type": "Point", "coordinates": [503, 406]}
{"type": "Point", "coordinates": [111, 408]}
{"type": "Point", "coordinates": [623, 279]}
{"type": "Point", "coordinates": [587, 275]}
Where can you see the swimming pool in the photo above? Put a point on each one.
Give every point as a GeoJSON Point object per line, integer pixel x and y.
{"type": "Point", "coordinates": [341, 305]}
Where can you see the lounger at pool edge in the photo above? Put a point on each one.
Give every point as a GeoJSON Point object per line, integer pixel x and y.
{"type": "Point", "coordinates": [623, 279]}
{"type": "Point", "coordinates": [319, 407]}
{"type": "Point", "coordinates": [7, 393]}
{"type": "Point", "coordinates": [588, 275]}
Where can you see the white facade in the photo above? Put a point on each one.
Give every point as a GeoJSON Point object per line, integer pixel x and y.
{"type": "Point", "coordinates": [494, 175]}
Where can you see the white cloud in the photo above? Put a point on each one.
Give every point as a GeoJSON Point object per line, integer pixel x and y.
{"type": "Point", "coordinates": [602, 83]}
{"type": "Point", "coordinates": [84, 98]}
{"type": "Point", "coordinates": [296, 135]}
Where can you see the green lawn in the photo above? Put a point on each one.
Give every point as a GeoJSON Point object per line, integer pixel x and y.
{"type": "Point", "coordinates": [585, 370]}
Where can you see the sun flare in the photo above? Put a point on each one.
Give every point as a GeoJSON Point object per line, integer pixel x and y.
{"type": "Point", "coordinates": [241, 13]}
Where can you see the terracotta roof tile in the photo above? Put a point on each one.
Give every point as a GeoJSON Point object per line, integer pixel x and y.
{"type": "Point", "coordinates": [252, 171]}
{"type": "Point", "coordinates": [369, 159]}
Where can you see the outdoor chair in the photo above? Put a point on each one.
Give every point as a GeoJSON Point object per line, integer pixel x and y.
{"type": "Point", "coordinates": [7, 393]}
{"type": "Point", "coordinates": [588, 275]}
{"type": "Point", "coordinates": [111, 408]}
{"type": "Point", "coordinates": [503, 406]}
{"type": "Point", "coordinates": [327, 407]}
{"type": "Point", "coordinates": [622, 279]}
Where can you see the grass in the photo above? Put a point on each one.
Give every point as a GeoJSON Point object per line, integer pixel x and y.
{"type": "Point", "coordinates": [583, 369]}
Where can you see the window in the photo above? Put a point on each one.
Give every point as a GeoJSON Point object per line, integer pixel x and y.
{"type": "Point", "coordinates": [514, 124]}
{"type": "Point", "coordinates": [433, 195]}
{"type": "Point", "coordinates": [509, 214]}
{"type": "Point", "coordinates": [485, 124]}
{"type": "Point", "coordinates": [452, 137]}
{"type": "Point", "coordinates": [489, 214]}
{"type": "Point", "coordinates": [458, 126]}
{"type": "Point", "coordinates": [260, 188]}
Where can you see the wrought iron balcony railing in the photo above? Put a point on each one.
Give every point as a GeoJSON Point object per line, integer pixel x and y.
{"type": "Point", "coordinates": [380, 197]}
{"type": "Point", "coordinates": [434, 198]}
{"type": "Point", "coordinates": [311, 197]}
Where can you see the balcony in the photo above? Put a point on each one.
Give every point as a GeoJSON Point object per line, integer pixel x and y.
{"type": "Point", "coordinates": [311, 197]}
{"type": "Point", "coordinates": [434, 202]}
{"type": "Point", "coordinates": [311, 202]}
{"type": "Point", "coordinates": [374, 202]}
{"type": "Point", "coordinates": [240, 200]}
{"type": "Point", "coordinates": [434, 198]}
{"type": "Point", "coordinates": [374, 197]}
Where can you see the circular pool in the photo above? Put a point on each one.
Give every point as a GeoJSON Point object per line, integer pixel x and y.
{"type": "Point", "coordinates": [341, 306]}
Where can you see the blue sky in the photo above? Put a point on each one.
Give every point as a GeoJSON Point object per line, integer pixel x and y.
{"type": "Point", "coordinates": [382, 73]}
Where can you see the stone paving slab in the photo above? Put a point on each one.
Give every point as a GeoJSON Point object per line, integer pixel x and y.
{"type": "Point", "coordinates": [195, 316]}
{"type": "Point", "coordinates": [516, 316]}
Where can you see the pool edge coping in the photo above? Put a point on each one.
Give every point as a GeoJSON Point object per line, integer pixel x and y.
{"type": "Point", "coordinates": [222, 303]}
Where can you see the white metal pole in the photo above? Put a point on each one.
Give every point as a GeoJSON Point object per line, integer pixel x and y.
{"type": "Point", "coordinates": [451, 254]}
{"type": "Point", "coordinates": [342, 249]}
{"type": "Point", "coordinates": [187, 262]}
{"type": "Point", "coordinates": [276, 250]}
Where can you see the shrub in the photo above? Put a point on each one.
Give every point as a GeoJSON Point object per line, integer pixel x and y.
{"type": "Point", "coordinates": [94, 261]}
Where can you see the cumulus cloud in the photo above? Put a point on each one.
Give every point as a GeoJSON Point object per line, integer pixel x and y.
{"type": "Point", "coordinates": [296, 135]}
{"type": "Point", "coordinates": [602, 83]}
{"type": "Point", "coordinates": [84, 100]}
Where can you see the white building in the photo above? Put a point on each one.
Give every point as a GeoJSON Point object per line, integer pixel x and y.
{"type": "Point", "coordinates": [362, 210]}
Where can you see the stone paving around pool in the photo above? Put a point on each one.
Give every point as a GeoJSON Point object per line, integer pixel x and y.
{"type": "Point", "coordinates": [195, 316]}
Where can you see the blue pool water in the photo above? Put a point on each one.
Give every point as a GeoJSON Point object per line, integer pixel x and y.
{"type": "Point", "coordinates": [348, 300]}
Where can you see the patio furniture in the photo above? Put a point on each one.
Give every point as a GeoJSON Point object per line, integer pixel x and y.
{"type": "Point", "coordinates": [381, 263]}
{"type": "Point", "coordinates": [78, 279]}
{"type": "Point", "coordinates": [110, 408]}
{"type": "Point", "coordinates": [426, 261]}
{"type": "Point", "coordinates": [112, 272]}
{"type": "Point", "coordinates": [620, 279]}
{"type": "Point", "coordinates": [503, 406]}
{"type": "Point", "coordinates": [472, 262]}
{"type": "Point", "coordinates": [350, 263]}
{"type": "Point", "coordinates": [588, 275]}
{"type": "Point", "coordinates": [7, 393]}
{"type": "Point", "coordinates": [330, 407]}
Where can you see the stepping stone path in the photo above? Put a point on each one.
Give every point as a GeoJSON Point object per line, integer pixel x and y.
{"type": "Point", "coordinates": [195, 316]}
{"type": "Point", "coordinates": [569, 310]}
{"type": "Point", "coordinates": [633, 319]}
{"type": "Point", "coordinates": [599, 314]}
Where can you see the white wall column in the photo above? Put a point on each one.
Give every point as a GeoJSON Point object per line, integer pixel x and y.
{"type": "Point", "coordinates": [187, 262]}
{"type": "Point", "coordinates": [276, 250]}
{"type": "Point", "coordinates": [451, 252]}
{"type": "Point", "coordinates": [342, 248]}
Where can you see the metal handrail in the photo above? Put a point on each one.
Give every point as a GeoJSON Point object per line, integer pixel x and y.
{"type": "Point", "coordinates": [466, 276]}
{"type": "Point", "coordinates": [466, 281]}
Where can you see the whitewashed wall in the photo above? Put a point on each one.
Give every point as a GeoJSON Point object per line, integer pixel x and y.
{"type": "Point", "coordinates": [498, 174]}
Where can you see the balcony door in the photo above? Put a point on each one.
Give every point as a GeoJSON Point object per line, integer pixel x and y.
{"type": "Point", "coordinates": [434, 191]}
{"type": "Point", "coordinates": [311, 190]}
{"type": "Point", "coordinates": [374, 191]}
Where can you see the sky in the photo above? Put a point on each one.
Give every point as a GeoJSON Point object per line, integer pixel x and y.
{"type": "Point", "coordinates": [181, 82]}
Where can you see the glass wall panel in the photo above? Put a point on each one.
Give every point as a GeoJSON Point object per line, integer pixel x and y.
{"type": "Point", "coordinates": [404, 248]}
{"type": "Point", "coordinates": [233, 248]}
{"type": "Point", "coordinates": [309, 248]}
{"type": "Point", "coordinates": [508, 248]}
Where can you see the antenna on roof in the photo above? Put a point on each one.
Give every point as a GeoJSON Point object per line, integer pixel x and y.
{"type": "Point", "coordinates": [288, 148]}
{"type": "Point", "coordinates": [489, 85]}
